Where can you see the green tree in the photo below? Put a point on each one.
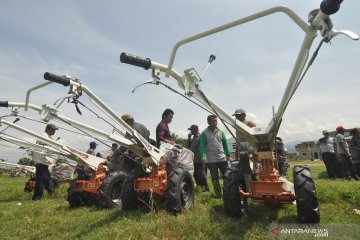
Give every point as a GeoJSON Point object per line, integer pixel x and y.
{"type": "Point", "coordinates": [26, 161]}
{"type": "Point", "coordinates": [180, 141]}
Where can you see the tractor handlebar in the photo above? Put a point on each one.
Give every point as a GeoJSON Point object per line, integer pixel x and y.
{"type": "Point", "coordinates": [135, 60]}
{"type": "Point", "coordinates": [57, 79]}
{"type": "Point", "coordinates": [4, 104]}
{"type": "Point", "coordinates": [330, 6]}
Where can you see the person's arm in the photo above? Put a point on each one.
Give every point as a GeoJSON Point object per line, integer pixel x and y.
{"type": "Point", "coordinates": [342, 145]}
{"type": "Point", "coordinates": [162, 138]}
{"type": "Point", "coordinates": [251, 124]}
{"type": "Point", "coordinates": [226, 145]}
{"type": "Point", "coordinates": [189, 141]}
{"type": "Point", "coordinates": [202, 147]}
{"type": "Point", "coordinates": [161, 135]}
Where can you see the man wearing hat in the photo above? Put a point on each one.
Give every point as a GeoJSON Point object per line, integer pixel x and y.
{"type": "Point", "coordinates": [140, 128]}
{"type": "Point", "coordinates": [92, 147]}
{"type": "Point", "coordinates": [326, 145]}
{"type": "Point", "coordinates": [241, 116]}
{"type": "Point", "coordinates": [344, 154]}
{"type": "Point", "coordinates": [243, 148]}
{"type": "Point", "coordinates": [42, 161]}
{"type": "Point", "coordinates": [199, 167]}
{"type": "Point", "coordinates": [127, 164]}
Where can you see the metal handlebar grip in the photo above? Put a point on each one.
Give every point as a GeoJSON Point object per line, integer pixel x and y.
{"type": "Point", "coordinates": [4, 104]}
{"type": "Point", "coordinates": [135, 60]}
{"type": "Point", "coordinates": [330, 6]}
{"type": "Point", "coordinates": [56, 78]}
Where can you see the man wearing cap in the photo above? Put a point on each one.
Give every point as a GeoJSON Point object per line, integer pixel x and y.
{"type": "Point", "coordinates": [199, 167]}
{"type": "Point", "coordinates": [241, 116]}
{"type": "Point", "coordinates": [243, 147]}
{"type": "Point", "coordinates": [92, 148]}
{"type": "Point", "coordinates": [326, 145]}
{"type": "Point", "coordinates": [344, 154]}
{"type": "Point", "coordinates": [214, 150]}
{"type": "Point", "coordinates": [42, 161]}
{"type": "Point", "coordinates": [127, 163]}
{"type": "Point", "coordinates": [140, 128]}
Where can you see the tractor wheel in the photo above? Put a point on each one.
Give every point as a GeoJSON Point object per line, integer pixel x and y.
{"type": "Point", "coordinates": [180, 191]}
{"type": "Point", "coordinates": [73, 198]}
{"type": "Point", "coordinates": [110, 190]}
{"type": "Point", "coordinates": [306, 201]}
{"type": "Point", "coordinates": [231, 193]}
{"type": "Point", "coordinates": [128, 194]}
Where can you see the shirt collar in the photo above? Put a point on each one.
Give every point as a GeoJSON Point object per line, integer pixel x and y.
{"type": "Point", "coordinates": [216, 129]}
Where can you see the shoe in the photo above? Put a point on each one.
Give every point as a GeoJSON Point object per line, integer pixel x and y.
{"type": "Point", "coordinates": [36, 198]}
{"type": "Point", "coordinates": [356, 178]}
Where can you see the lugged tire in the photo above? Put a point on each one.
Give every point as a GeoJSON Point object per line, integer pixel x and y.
{"type": "Point", "coordinates": [128, 194]}
{"type": "Point", "coordinates": [73, 198]}
{"type": "Point", "coordinates": [231, 193]}
{"type": "Point", "coordinates": [180, 191]}
{"type": "Point", "coordinates": [110, 189]}
{"type": "Point", "coordinates": [306, 200]}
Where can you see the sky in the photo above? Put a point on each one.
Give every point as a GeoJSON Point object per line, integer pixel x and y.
{"type": "Point", "coordinates": [253, 63]}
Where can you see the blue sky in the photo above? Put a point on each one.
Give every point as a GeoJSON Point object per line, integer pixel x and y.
{"type": "Point", "coordinates": [85, 38]}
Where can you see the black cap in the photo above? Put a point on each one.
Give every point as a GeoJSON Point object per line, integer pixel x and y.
{"type": "Point", "coordinates": [52, 126]}
{"type": "Point", "coordinates": [193, 127]}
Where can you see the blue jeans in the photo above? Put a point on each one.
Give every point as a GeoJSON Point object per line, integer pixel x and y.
{"type": "Point", "coordinates": [200, 175]}
{"type": "Point", "coordinates": [214, 169]}
{"type": "Point", "coordinates": [43, 179]}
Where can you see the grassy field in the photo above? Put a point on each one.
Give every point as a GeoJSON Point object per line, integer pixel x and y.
{"type": "Point", "coordinates": [51, 218]}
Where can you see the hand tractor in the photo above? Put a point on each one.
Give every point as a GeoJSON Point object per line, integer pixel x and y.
{"type": "Point", "coordinates": [61, 172]}
{"type": "Point", "coordinates": [163, 176]}
{"type": "Point", "coordinates": [94, 183]}
{"type": "Point", "coordinates": [268, 187]}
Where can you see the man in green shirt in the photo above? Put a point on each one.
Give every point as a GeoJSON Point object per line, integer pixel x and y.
{"type": "Point", "coordinates": [214, 151]}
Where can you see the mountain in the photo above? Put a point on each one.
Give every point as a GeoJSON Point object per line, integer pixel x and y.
{"type": "Point", "coordinates": [291, 145]}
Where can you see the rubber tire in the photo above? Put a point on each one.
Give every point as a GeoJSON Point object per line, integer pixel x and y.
{"type": "Point", "coordinates": [110, 189]}
{"type": "Point", "coordinates": [180, 192]}
{"type": "Point", "coordinates": [231, 193]}
{"type": "Point", "coordinates": [128, 195]}
{"type": "Point", "coordinates": [73, 198]}
{"type": "Point", "coordinates": [306, 200]}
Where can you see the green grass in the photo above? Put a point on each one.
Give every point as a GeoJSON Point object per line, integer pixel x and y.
{"type": "Point", "coordinates": [51, 217]}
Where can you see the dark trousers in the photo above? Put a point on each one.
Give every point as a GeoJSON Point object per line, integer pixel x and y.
{"type": "Point", "coordinates": [348, 167]}
{"type": "Point", "coordinates": [200, 175]}
{"type": "Point", "coordinates": [43, 179]}
{"type": "Point", "coordinates": [214, 171]}
{"type": "Point", "coordinates": [329, 159]}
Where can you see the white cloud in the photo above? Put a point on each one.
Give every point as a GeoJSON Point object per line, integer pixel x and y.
{"type": "Point", "coordinates": [254, 61]}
